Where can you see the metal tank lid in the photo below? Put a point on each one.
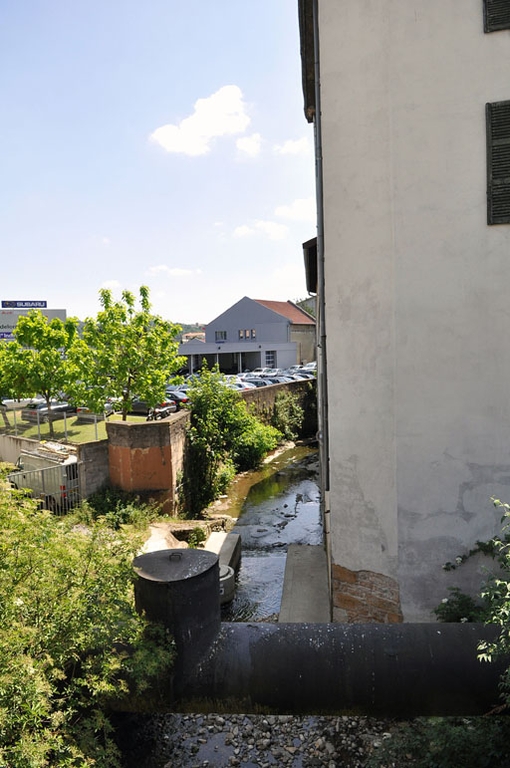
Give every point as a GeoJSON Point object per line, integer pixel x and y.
{"type": "Point", "coordinates": [167, 565]}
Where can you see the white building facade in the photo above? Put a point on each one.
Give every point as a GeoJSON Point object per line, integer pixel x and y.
{"type": "Point", "coordinates": [254, 333]}
{"type": "Point", "coordinates": [413, 273]}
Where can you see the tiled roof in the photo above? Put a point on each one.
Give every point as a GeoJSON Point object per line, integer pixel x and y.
{"type": "Point", "coordinates": [288, 310]}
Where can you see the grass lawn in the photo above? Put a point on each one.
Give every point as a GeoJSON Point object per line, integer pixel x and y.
{"type": "Point", "coordinates": [75, 432]}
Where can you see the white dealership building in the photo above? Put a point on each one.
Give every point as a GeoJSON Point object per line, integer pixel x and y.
{"type": "Point", "coordinates": [11, 310]}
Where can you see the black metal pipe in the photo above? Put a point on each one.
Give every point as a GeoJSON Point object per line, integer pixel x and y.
{"type": "Point", "coordinates": [400, 670]}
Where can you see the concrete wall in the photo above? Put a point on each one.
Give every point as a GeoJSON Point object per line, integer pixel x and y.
{"type": "Point", "coordinates": [94, 466]}
{"type": "Point", "coordinates": [305, 338]}
{"type": "Point", "coordinates": [415, 292]}
{"type": "Point", "coordinates": [11, 447]}
{"type": "Point", "coordinates": [262, 400]}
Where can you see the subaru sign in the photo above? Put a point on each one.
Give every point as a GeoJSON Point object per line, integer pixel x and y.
{"type": "Point", "coordinates": [24, 304]}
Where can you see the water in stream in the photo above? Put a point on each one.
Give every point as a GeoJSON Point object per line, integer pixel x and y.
{"type": "Point", "coordinates": [275, 507]}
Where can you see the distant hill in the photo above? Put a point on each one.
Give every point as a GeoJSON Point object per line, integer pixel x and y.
{"type": "Point", "coordinates": [193, 328]}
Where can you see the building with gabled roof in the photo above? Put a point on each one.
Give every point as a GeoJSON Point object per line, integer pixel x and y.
{"type": "Point", "coordinates": [255, 333]}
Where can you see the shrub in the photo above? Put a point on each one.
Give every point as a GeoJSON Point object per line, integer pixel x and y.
{"type": "Point", "coordinates": [288, 415]}
{"type": "Point", "coordinates": [476, 742]}
{"type": "Point", "coordinates": [497, 595]}
{"type": "Point", "coordinates": [223, 438]}
{"type": "Point", "coordinates": [255, 442]}
{"type": "Point", "coordinates": [460, 607]}
{"type": "Point", "coordinates": [71, 641]}
{"type": "Point", "coordinates": [116, 508]}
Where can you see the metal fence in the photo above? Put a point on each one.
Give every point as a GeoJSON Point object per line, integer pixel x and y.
{"type": "Point", "coordinates": [57, 488]}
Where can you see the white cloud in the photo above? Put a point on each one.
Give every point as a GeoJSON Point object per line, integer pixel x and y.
{"type": "Point", "coordinates": [250, 145]}
{"type": "Point", "coordinates": [270, 229]}
{"type": "Point", "coordinates": [302, 209]}
{"type": "Point", "coordinates": [106, 241]}
{"type": "Point", "coordinates": [221, 114]}
{"type": "Point", "coordinates": [273, 230]}
{"type": "Point", "coordinates": [243, 231]}
{"type": "Point", "coordinates": [293, 147]}
{"type": "Point", "coordinates": [163, 269]}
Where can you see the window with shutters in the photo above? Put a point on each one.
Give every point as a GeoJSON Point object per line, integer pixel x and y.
{"type": "Point", "coordinates": [496, 15]}
{"type": "Point", "coordinates": [498, 162]}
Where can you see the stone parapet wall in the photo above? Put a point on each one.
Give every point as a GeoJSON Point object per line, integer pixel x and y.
{"type": "Point", "coordinates": [362, 597]}
{"type": "Point", "coordinates": [147, 456]}
{"type": "Point", "coordinates": [262, 400]}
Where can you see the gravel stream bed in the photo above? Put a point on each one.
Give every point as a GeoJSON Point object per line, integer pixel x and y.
{"type": "Point", "coordinates": [251, 741]}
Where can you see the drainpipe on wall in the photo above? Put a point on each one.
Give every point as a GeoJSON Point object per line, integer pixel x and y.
{"type": "Point", "coordinates": [322, 372]}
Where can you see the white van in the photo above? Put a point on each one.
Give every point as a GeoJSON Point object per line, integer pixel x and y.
{"type": "Point", "coordinates": [51, 474]}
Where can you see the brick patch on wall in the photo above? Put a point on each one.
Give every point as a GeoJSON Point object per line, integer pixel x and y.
{"type": "Point", "coordinates": [363, 597]}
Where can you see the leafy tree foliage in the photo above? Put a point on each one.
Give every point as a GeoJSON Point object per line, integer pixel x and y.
{"type": "Point", "coordinates": [37, 361]}
{"type": "Point", "coordinates": [288, 415]}
{"type": "Point", "coordinates": [223, 438]}
{"type": "Point", "coordinates": [125, 352]}
{"type": "Point", "coordinates": [70, 638]}
{"type": "Point", "coordinates": [497, 595]}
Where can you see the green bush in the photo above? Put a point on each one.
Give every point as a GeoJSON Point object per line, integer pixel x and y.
{"type": "Point", "coordinates": [71, 641]}
{"type": "Point", "coordinates": [476, 742]}
{"type": "Point", "coordinates": [223, 438]}
{"type": "Point", "coordinates": [256, 441]}
{"type": "Point", "coordinates": [460, 608]}
{"type": "Point", "coordinates": [288, 415]}
{"type": "Point", "coordinates": [116, 508]}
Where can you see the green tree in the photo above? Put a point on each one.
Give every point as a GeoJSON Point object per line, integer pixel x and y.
{"type": "Point", "coordinates": [71, 641]}
{"type": "Point", "coordinates": [124, 353]}
{"type": "Point", "coordinates": [37, 361]}
{"type": "Point", "coordinates": [223, 438]}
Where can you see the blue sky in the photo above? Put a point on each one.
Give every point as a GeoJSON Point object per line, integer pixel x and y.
{"type": "Point", "coordinates": [159, 143]}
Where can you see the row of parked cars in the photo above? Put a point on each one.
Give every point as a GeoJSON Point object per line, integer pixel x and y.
{"type": "Point", "coordinates": [36, 410]}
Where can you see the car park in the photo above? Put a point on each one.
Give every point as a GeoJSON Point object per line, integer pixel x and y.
{"type": "Point", "coordinates": [37, 411]}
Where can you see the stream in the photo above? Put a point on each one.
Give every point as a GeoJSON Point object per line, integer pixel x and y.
{"type": "Point", "coordinates": [276, 506]}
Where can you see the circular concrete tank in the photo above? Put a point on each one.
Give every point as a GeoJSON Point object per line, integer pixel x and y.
{"type": "Point", "coordinates": [180, 588]}
{"type": "Point", "coordinates": [227, 584]}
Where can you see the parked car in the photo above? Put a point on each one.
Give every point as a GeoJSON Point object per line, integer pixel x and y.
{"type": "Point", "coordinates": [140, 407]}
{"type": "Point", "coordinates": [258, 381]}
{"type": "Point", "coordinates": [85, 414]}
{"type": "Point", "coordinates": [180, 396]}
{"type": "Point", "coordinates": [37, 411]}
{"type": "Point", "coordinates": [240, 385]}
{"type": "Point", "coordinates": [15, 405]}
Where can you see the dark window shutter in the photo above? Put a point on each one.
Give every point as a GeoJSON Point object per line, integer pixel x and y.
{"type": "Point", "coordinates": [498, 162]}
{"type": "Point", "coordinates": [496, 15]}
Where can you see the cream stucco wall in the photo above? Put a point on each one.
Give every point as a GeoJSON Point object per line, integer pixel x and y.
{"type": "Point", "coordinates": [416, 287]}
